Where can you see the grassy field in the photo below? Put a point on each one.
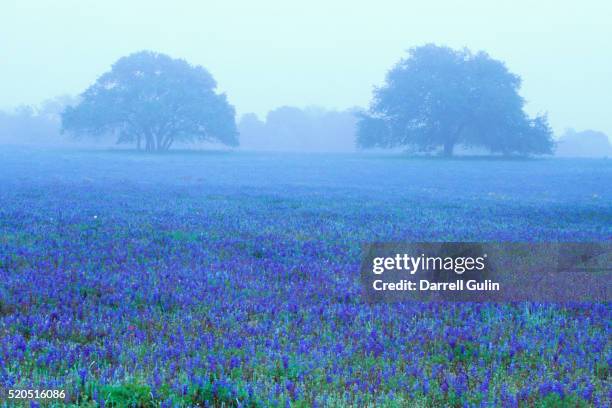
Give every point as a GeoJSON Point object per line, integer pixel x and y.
{"type": "Point", "coordinates": [211, 279]}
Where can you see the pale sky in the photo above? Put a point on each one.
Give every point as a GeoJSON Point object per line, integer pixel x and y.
{"type": "Point", "coordinates": [270, 53]}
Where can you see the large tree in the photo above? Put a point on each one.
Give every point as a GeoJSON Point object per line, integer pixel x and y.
{"type": "Point", "coordinates": [437, 98]}
{"type": "Point", "coordinates": [153, 100]}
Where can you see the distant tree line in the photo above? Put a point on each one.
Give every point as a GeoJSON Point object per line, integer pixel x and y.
{"type": "Point", "coordinates": [293, 129]}
{"type": "Point", "coordinates": [587, 143]}
{"type": "Point", "coordinates": [434, 100]}
{"type": "Point", "coordinates": [34, 125]}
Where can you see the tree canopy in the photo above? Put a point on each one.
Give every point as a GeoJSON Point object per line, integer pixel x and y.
{"type": "Point", "coordinates": [438, 97]}
{"type": "Point", "coordinates": [153, 100]}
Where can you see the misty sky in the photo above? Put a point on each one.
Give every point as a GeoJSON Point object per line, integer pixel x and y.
{"type": "Point", "coordinates": [265, 54]}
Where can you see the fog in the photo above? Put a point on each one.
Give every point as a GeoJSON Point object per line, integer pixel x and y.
{"type": "Point", "coordinates": [588, 143]}
{"type": "Point", "coordinates": [293, 129]}
{"type": "Point", "coordinates": [269, 54]}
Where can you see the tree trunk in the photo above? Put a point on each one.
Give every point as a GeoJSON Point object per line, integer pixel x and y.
{"type": "Point", "coordinates": [168, 142]}
{"type": "Point", "coordinates": [149, 143]}
{"type": "Point", "coordinates": [138, 142]}
{"type": "Point", "coordinates": [448, 148]}
{"type": "Point", "coordinates": [449, 144]}
{"type": "Point", "coordinates": [155, 142]}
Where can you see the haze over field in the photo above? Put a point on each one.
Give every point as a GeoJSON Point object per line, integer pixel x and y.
{"type": "Point", "coordinates": [272, 53]}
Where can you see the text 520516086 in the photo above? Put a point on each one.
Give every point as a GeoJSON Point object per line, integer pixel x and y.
{"type": "Point", "coordinates": [36, 394]}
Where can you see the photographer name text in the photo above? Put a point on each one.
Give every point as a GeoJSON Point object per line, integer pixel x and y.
{"type": "Point", "coordinates": [433, 264]}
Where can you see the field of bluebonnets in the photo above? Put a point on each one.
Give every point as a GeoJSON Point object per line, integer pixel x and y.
{"type": "Point", "coordinates": [231, 279]}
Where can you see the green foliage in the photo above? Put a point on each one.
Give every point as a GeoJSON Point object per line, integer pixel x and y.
{"type": "Point", "coordinates": [226, 394]}
{"type": "Point", "coordinates": [554, 400]}
{"type": "Point", "coordinates": [127, 395]}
